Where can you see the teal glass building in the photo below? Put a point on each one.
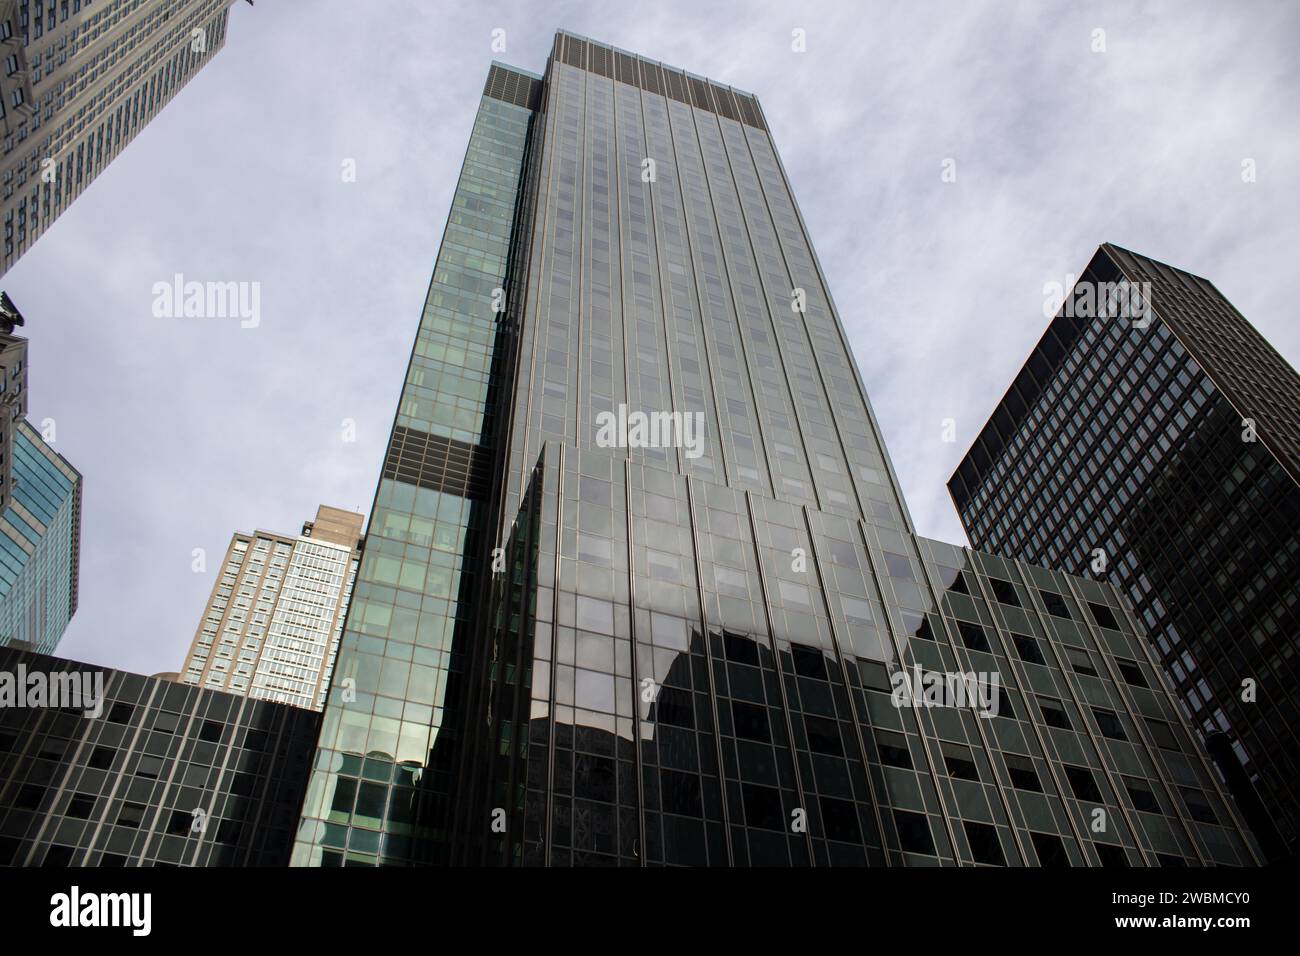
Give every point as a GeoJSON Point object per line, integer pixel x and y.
{"type": "Point", "coordinates": [567, 648]}
{"type": "Point", "coordinates": [40, 543]}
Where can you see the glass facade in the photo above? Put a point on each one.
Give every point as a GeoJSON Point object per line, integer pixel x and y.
{"type": "Point", "coordinates": [1160, 455]}
{"type": "Point", "coordinates": [376, 791]}
{"type": "Point", "coordinates": [163, 775]}
{"type": "Point", "coordinates": [40, 544]}
{"type": "Point", "coordinates": [640, 587]}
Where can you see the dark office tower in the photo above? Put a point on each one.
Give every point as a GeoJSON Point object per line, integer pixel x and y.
{"type": "Point", "coordinates": [105, 768]}
{"type": "Point", "coordinates": [1158, 448]}
{"type": "Point", "coordinates": [638, 572]}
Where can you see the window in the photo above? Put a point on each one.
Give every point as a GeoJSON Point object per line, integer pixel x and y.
{"type": "Point", "coordinates": [740, 648]}
{"type": "Point", "coordinates": [959, 761]}
{"type": "Point", "coordinates": [953, 580]}
{"type": "Point", "coordinates": [1083, 783]}
{"type": "Point", "coordinates": [750, 721]}
{"type": "Point", "coordinates": [131, 815]}
{"type": "Point", "coordinates": [593, 615]}
{"type": "Point", "coordinates": [81, 806]}
{"type": "Point", "coordinates": [875, 676]}
{"type": "Point", "coordinates": [823, 736]}
{"type": "Point", "coordinates": [1050, 849]}
{"type": "Point", "coordinates": [101, 758]}
{"type": "Point", "coordinates": [1080, 661]}
{"type": "Point", "coordinates": [1022, 773]}
{"type": "Point", "coordinates": [985, 847]}
{"type": "Point", "coordinates": [973, 636]}
{"type": "Point", "coordinates": [893, 749]}
{"type": "Point", "coordinates": [840, 820]}
{"type": "Point", "coordinates": [1111, 855]}
{"type": "Point", "coordinates": [1198, 806]}
{"type": "Point", "coordinates": [120, 713]}
{"type": "Point", "coordinates": [1054, 714]}
{"type": "Point", "coordinates": [180, 822]}
{"type": "Point", "coordinates": [763, 807]}
{"type": "Point", "coordinates": [673, 706]}
{"type": "Point", "coordinates": [1132, 673]}
{"type": "Point", "coordinates": [1163, 734]}
{"type": "Point", "coordinates": [898, 566]}
{"type": "Point", "coordinates": [1054, 603]}
{"type": "Point", "coordinates": [917, 625]}
{"type": "Point", "coordinates": [148, 767]}
{"type": "Point", "coordinates": [1103, 615]}
{"type": "Point", "coordinates": [1109, 724]}
{"type": "Point", "coordinates": [1142, 797]}
{"type": "Point", "coordinates": [913, 832]}
{"type": "Point", "coordinates": [210, 731]}
{"type": "Point", "coordinates": [1028, 649]}
{"type": "Point", "coordinates": [808, 661]}
{"type": "Point", "coordinates": [1005, 592]}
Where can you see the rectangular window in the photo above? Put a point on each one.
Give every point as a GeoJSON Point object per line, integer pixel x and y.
{"type": "Point", "coordinates": [1103, 615]}
{"type": "Point", "coordinates": [1198, 806]}
{"type": "Point", "coordinates": [131, 815]}
{"type": "Point", "coordinates": [893, 749]}
{"type": "Point", "coordinates": [1028, 649]}
{"type": "Point", "coordinates": [1050, 849]}
{"type": "Point", "coordinates": [1109, 724]}
{"type": "Point", "coordinates": [1163, 734]}
{"type": "Point", "coordinates": [1141, 795]}
{"type": "Point", "coordinates": [1054, 603]}
{"type": "Point", "coordinates": [959, 761]}
{"type": "Point", "coordinates": [1022, 772]}
{"type": "Point", "coordinates": [1054, 714]}
{"type": "Point", "coordinates": [914, 832]}
{"type": "Point", "coordinates": [973, 636]}
{"type": "Point", "coordinates": [1005, 592]}
{"type": "Point", "coordinates": [1132, 673]}
{"type": "Point", "coordinates": [1080, 661]}
{"type": "Point", "coordinates": [1083, 784]}
{"type": "Point", "coordinates": [985, 847]}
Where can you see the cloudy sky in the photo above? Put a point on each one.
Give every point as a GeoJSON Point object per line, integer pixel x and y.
{"type": "Point", "coordinates": [188, 429]}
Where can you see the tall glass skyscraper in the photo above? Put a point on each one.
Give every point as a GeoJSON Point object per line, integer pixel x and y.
{"type": "Point", "coordinates": [40, 545]}
{"type": "Point", "coordinates": [1159, 448]}
{"type": "Point", "coordinates": [640, 587]}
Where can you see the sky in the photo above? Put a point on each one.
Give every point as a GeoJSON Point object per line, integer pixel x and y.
{"type": "Point", "coordinates": [1061, 138]}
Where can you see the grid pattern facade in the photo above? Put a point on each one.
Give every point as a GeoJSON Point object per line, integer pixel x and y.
{"type": "Point", "coordinates": [680, 293]}
{"type": "Point", "coordinates": [644, 656]}
{"type": "Point", "coordinates": [167, 775]}
{"type": "Point", "coordinates": [272, 624]}
{"type": "Point", "coordinates": [669, 688]}
{"type": "Point", "coordinates": [387, 729]}
{"type": "Point", "coordinates": [79, 79]}
{"type": "Point", "coordinates": [40, 544]}
{"type": "Point", "coordinates": [1131, 443]}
